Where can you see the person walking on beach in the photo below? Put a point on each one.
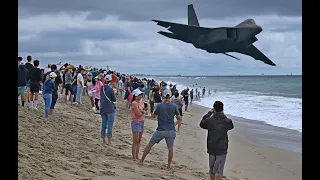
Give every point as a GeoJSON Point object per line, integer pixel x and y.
{"type": "Point", "coordinates": [128, 94]}
{"type": "Point", "coordinates": [120, 87]}
{"type": "Point", "coordinates": [48, 88]}
{"type": "Point", "coordinates": [218, 125]}
{"type": "Point", "coordinates": [191, 96]}
{"type": "Point", "coordinates": [165, 112]}
{"type": "Point", "coordinates": [203, 91]}
{"type": "Point", "coordinates": [137, 123]}
{"type": "Point", "coordinates": [107, 109]}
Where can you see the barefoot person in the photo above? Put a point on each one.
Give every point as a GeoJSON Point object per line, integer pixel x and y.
{"type": "Point", "coordinates": [166, 127]}
{"type": "Point", "coordinates": [107, 109]}
{"type": "Point", "coordinates": [137, 123]}
{"type": "Point", "coordinates": [48, 88]}
{"type": "Point", "coordinates": [218, 126]}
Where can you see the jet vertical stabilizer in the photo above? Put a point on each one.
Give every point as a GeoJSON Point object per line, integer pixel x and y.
{"type": "Point", "coordinates": [192, 17]}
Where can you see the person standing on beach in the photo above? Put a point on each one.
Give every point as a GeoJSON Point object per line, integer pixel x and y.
{"type": "Point", "coordinates": [35, 79]}
{"type": "Point", "coordinates": [128, 95]}
{"type": "Point", "coordinates": [107, 109]}
{"type": "Point", "coordinates": [22, 82]}
{"type": "Point", "coordinates": [97, 87]}
{"type": "Point", "coordinates": [137, 123]}
{"type": "Point", "coordinates": [74, 84]}
{"type": "Point", "coordinates": [68, 84]}
{"type": "Point", "coordinates": [29, 65]}
{"type": "Point", "coordinates": [80, 86]}
{"type": "Point", "coordinates": [48, 88]}
{"type": "Point", "coordinates": [185, 94]}
{"type": "Point", "coordinates": [57, 82]}
{"type": "Point", "coordinates": [120, 87]}
{"type": "Point", "coordinates": [218, 125]}
{"type": "Point", "coordinates": [191, 96]}
{"type": "Point", "coordinates": [177, 100]}
{"type": "Point", "coordinates": [203, 91]}
{"type": "Point", "coordinates": [165, 112]}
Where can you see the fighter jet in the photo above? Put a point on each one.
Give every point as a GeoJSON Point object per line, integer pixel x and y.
{"type": "Point", "coordinates": [239, 38]}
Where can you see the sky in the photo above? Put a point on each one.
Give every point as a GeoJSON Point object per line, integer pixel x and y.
{"type": "Point", "coordinates": [121, 35]}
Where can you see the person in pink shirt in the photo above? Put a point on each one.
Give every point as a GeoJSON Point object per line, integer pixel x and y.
{"type": "Point", "coordinates": [137, 123]}
{"type": "Point", "coordinates": [97, 87]}
{"type": "Point", "coordinates": [91, 89]}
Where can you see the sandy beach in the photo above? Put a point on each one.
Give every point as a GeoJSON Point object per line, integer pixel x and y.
{"type": "Point", "coordinates": [68, 146]}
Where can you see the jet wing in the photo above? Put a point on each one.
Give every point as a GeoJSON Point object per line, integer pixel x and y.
{"type": "Point", "coordinates": [256, 54]}
{"type": "Point", "coordinates": [183, 28]}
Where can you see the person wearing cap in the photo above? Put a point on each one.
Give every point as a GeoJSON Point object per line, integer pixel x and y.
{"type": "Point", "coordinates": [68, 83]}
{"type": "Point", "coordinates": [137, 123]}
{"type": "Point", "coordinates": [22, 81]}
{"type": "Point", "coordinates": [165, 113]}
{"type": "Point", "coordinates": [48, 88]}
{"type": "Point", "coordinates": [35, 75]}
{"type": "Point", "coordinates": [57, 82]}
{"type": "Point", "coordinates": [218, 125]}
{"type": "Point", "coordinates": [97, 87]}
{"type": "Point", "coordinates": [107, 110]}
{"type": "Point", "coordinates": [80, 86]}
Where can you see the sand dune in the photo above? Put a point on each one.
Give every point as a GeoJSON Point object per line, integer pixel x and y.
{"type": "Point", "coordinates": [68, 146]}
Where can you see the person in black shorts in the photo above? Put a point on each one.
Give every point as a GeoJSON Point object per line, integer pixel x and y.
{"type": "Point", "coordinates": [35, 79]}
{"type": "Point", "coordinates": [68, 83]}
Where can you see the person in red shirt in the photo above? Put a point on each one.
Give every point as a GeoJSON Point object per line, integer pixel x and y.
{"type": "Point", "coordinates": [114, 80]}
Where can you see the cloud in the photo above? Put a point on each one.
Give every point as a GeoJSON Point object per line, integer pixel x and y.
{"type": "Point", "coordinates": [101, 34]}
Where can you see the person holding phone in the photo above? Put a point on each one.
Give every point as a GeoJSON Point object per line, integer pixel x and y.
{"type": "Point", "coordinates": [218, 125]}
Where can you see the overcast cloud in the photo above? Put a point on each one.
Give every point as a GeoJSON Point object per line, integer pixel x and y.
{"type": "Point", "coordinates": [120, 34]}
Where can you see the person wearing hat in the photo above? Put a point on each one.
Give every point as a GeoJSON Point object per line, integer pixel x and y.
{"type": "Point", "coordinates": [137, 123]}
{"type": "Point", "coordinates": [68, 83]}
{"type": "Point", "coordinates": [22, 81]}
{"type": "Point", "coordinates": [107, 109]}
{"type": "Point", "coordinates": [165, 113]}
{"type": "Point", "coordinates": [48, 88]}
{"type": "Point", "coordinates": [218, 125]}
{"type": "Point", "coordinates": [80, 86]}
{"type": "Point", "coordinates": [57, 82]}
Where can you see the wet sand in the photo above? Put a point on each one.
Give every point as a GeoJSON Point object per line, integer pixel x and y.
{"type": "Point", "coordinates": [68, 146]}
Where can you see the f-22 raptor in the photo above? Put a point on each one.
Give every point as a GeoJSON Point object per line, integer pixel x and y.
{"type": "Point", "coordinates": [239, 38]}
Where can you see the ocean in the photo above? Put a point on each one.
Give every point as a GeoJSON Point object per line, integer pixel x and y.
{"type": "Point", "coordinates": [275, 100]}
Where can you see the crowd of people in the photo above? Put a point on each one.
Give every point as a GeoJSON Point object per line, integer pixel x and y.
{"type": "Point", "coordinates": [143, 96]}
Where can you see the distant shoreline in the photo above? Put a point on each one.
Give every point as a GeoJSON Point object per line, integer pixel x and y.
{"type": "Point", "coordinates": [218, 75]}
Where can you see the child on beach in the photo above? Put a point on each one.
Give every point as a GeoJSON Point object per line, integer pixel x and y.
{"type": "Point", "coordinates": [137, 123]}
{"type": "Point", "coordinates": [97, 87]}
{"type": "Point", "coordinates": [91, 90]}
{"type": "Point", "coordinates": [48, 88]}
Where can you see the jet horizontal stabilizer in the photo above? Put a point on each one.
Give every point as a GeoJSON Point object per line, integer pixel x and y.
{"type": "Point", "coordinates": [231, 56]}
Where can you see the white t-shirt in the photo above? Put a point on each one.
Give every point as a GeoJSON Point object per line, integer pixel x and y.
{"type": "Point", "coordinates": [80, 79]}
{"type": "Point", "coordinates": [120, 84]}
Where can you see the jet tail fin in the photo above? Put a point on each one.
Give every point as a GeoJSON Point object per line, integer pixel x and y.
{"type": "Point", "coordinates": [231, 56]}
{"type": "Point", "coordinates": [192, 17]}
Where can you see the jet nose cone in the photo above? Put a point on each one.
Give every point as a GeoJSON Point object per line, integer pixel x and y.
{"type": "Point", "coordinates": [259, 29]}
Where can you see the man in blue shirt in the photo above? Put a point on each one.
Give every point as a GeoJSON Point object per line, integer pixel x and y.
{"type": "Point", "coordinates": [165, 112]}
{"type": "Point", "coordinates": [107, 109]}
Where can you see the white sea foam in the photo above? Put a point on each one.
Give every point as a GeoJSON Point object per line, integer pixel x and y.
{"type": "Point", "coordinates": [274, 110]}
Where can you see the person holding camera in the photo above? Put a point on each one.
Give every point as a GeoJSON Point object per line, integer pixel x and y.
{"type": "Point", "coordinates": [107, 109]}
{"type": "Point", "coordinates": [218, 125]}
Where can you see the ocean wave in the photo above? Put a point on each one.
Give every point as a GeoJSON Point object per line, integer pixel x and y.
{"type": "Point", "coordinates": [274, 110]}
